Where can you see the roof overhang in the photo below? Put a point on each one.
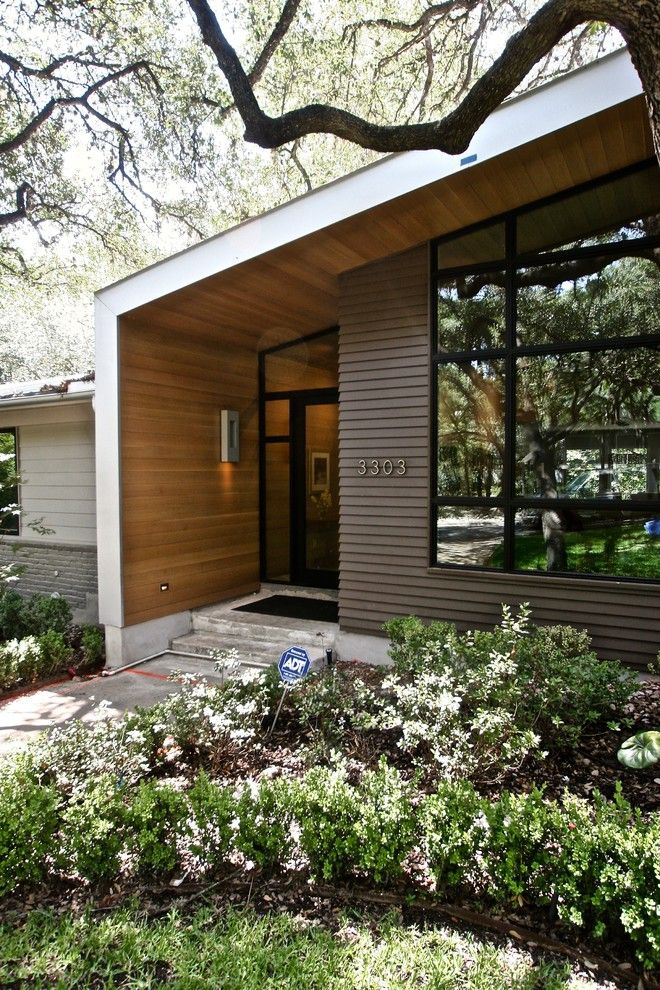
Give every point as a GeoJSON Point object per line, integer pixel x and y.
{"type": "Point", "coordinates": [574, 129]}
{"type": "Point", "coordinates": [46, 391]}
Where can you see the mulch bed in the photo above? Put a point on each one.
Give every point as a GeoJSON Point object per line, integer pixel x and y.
{"type": "Point", "coordinates": [591, 766]}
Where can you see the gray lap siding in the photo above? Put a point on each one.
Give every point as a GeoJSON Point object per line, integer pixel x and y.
{"type": "Point", "coordinates": [385, 405]}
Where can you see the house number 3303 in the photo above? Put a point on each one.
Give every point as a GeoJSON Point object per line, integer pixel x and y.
{"type": "Point", "coordinates": [376, 466]}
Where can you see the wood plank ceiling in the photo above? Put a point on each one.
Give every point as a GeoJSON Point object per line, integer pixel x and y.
{"type": "Point", "coordinates": [293, 290]}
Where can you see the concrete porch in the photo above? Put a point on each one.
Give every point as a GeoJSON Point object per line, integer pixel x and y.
{"type": "Point", "coordinates": [259, 639]}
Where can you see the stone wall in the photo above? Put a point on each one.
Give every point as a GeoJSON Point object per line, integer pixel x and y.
{"type": "Point", "coordinates": [66, 569]}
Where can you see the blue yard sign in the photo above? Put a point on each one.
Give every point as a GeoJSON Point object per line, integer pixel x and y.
{"type": "Point", "coordinates": [294, 664]}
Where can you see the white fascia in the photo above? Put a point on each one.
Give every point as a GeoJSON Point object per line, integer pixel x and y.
{"type": "Point", "coordinates": [580, 94]}
{"type": "Point", "coordinates": [108, 467]}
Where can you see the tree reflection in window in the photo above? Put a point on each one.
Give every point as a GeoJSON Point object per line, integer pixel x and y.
{"type": "Point", "coordinates": [569, 452]}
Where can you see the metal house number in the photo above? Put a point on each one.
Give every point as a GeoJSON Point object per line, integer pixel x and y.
{"type": "Point", "coordinates": [377, 466]}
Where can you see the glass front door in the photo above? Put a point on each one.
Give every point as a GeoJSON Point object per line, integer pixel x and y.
{"type": "Point", "coordinates": [315, 521]}
{"type": "Point", "coordinates": [300, 462]}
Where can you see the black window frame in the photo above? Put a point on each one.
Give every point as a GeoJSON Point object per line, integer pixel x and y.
{"type": "Point", "coordinates": [10, 525]}
{"type": "Point", "coordinates": [508, 502]}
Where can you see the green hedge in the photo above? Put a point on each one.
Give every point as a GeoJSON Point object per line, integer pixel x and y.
{"type": "Point", "coordinates": [595, 865]}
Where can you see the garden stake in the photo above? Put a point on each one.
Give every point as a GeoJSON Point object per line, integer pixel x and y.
{"type": "Point", "coordinates": [279, 708]}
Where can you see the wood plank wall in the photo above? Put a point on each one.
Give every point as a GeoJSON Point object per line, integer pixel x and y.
{"type": "Point", "coordinates": [188, 520]}
{"type": "Point", "coordinates": [384, 384]}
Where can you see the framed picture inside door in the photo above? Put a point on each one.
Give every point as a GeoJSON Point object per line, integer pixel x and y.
{"type": "Point", "coordinates": [319, 471]}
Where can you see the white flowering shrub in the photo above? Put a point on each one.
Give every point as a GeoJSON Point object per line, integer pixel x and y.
{"type": "Point", "coordinates": [73, 754]}
{"type": "Point", "coordinates": [460, 710]}
{"type": "Point", "coordinates": [478, 703]}
{"type": "Point", "coordinates": [21, 661]}
{"type": "Point", "coordinates": [201, 714]}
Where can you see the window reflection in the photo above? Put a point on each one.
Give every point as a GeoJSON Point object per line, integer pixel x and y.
{"type": "Point", "coordinates": [588, 424]}
{"type": "Point", "coordinates": [471, 312]}
{"type": "Point", "coordinates": [307, 364]}
{"type": "Point", "coordinates": [617, 543]}
{"type": "Point", "coordinates": [621, 210]}
{"type": "Point", "coordinates": [470, 536]}
{"type": "Point", "coordinates": [9, 519]}
{"type": "Point", "coordinates": [478, 247]}
{"type": "Point", "coordinates": [471, 428]}
{"type": "Point", "coordinates": [577, 320]}
{"type": "Point", "coordinates": [588, 299]}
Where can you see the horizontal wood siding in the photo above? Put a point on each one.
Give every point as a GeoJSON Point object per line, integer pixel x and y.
{"type": "Point", "coordinates": [188, 520]}
{"type": "Point", "coordinates": [384, 384]}
{"type": "Point", "coordinates": [57, 472]}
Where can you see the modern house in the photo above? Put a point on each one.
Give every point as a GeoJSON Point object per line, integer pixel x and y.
{"type": "Point", "coordinates": [48, 469]}
{"type": "Point", "coordinates": [433, 384]}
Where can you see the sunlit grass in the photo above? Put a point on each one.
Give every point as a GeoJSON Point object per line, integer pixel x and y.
{"type": "Point", "coordinates": [239, 950]}
{"type": "Point", "coordinates": [625, 552]}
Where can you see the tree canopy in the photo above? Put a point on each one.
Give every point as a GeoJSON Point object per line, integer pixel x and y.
{"type": "Point", "coordinates": [638, 22]}
{"type": "Point", "coordinates": [122, 125]}
{"type": "Point", "coordinates": [115, 111]}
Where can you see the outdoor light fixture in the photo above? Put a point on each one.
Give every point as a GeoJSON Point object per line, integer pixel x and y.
{"type": "Point", "coordinates": [229, 435]}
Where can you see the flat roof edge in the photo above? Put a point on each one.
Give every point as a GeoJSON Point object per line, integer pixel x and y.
{"type": "Point", "coordinates": [592, 89]}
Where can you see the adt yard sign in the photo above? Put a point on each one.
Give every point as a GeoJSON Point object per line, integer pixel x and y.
{"type": "Point", "coordinates": [294, 664]}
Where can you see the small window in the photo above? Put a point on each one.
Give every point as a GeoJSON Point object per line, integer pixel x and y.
{"type": "Point", "coordinates": [9, 519]}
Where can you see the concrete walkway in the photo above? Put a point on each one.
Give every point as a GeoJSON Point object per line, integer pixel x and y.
{"type": "Point", "coordinates": [23, 716]}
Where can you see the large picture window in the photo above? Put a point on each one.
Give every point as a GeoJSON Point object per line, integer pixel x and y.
{"type": "Point", "coordinates": [547, 386]}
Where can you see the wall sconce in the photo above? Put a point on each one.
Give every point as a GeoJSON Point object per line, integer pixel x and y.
{"type": "Point", "coordinates": [229, 435]}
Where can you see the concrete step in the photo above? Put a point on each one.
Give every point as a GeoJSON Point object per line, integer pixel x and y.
{"type": "Point", "coordinates": [256, 652]}
{"type": "Point", "coordinates": [269, 629]}
{"type": "Point", "coordinates": [258, 639]}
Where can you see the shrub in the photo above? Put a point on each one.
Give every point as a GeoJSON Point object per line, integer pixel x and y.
{"type": "Point", "coordinates": [93, 645]}
{"type": "Point", "coordinates": [13, 615]}
{"type": "Point", "coordinates": [55, 652]}
{"type": "Point", "coordinates": [210, 828]}
{"type": "Point", "coordinates": [331, 703]}
{"type": "Point", "coordinates": [347, 830]}
{"type": "Point", "coordinates": [568, 687]}
{"type": "Point", "coordinates": [21, 661]}
{"type": "Point", "coordinates": [28, 821]}
{"type": "Point", "coordinates": [477, 703]}
{"type": "Point", "coordinates": [46, 612]}
{"type": "Point", "coordinates": [597, 864]}
{"type": "Point", "coordinates": [92, 832]}
{"type": "Point", "coordinates": [411, 642]}
{"type": "Point", "coordinates": [72, 755]}
{"type": "Point", "coordinates": [200, 717]}
{"type": "Point", "coordinates": [454, 826]}
{"type": "Point", "coordinates": [264, 817]}
{"type": "Point", "coordinates": [521, 847]}
{"type": "Point", "coordinates": [155, 820]}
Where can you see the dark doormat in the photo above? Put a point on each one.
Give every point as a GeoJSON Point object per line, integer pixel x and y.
{"type": "Point", "coordinates": [294, 607]}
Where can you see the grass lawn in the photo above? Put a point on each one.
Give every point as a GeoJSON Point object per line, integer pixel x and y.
{"type": "Point", "coordinates": [240, 950]}
{"type": "Point", "coordinates": [626, 552]}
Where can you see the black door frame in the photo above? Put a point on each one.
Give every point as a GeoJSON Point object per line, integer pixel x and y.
{"type": "Point", "coordinates": [297, 463]}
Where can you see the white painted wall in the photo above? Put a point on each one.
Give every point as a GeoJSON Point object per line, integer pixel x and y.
{"type": "Point", "coordinates": [56, 465]}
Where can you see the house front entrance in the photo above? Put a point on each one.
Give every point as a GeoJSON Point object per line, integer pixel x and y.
{"type": "Point", "coordinates": [300, 463]}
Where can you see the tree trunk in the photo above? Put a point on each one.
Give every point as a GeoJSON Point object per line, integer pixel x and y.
{"type": "Point", "coordinates": [541, 459]}
{"type": "Point", "coordinates": [639, 24]}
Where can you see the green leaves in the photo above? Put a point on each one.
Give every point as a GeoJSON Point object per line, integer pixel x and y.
{"type": "Point", "coordinates": [640, 751]}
